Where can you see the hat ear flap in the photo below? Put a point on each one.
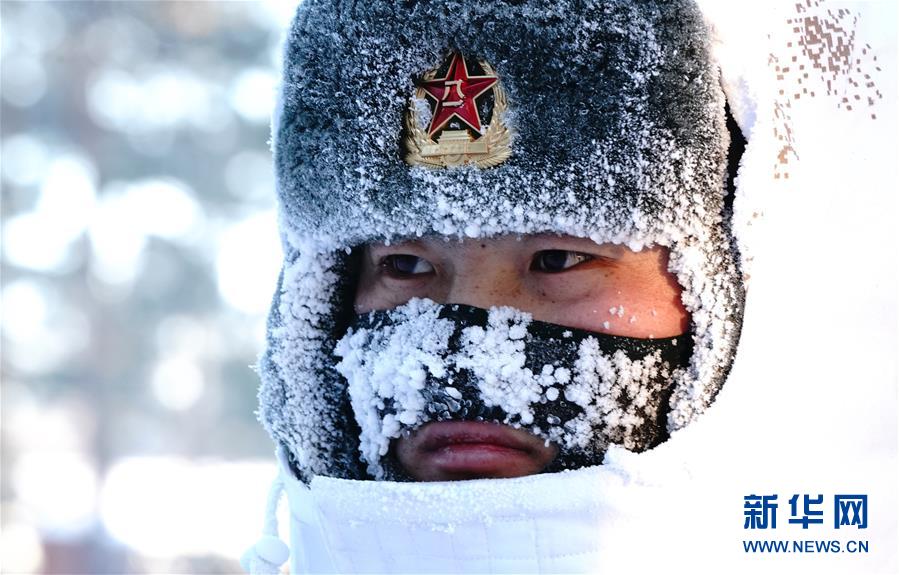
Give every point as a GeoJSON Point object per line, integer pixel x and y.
{"type": "Point", "coordinates": [303, 400]}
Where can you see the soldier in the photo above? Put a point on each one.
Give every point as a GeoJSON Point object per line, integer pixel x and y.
{"type": "Point", "coordinates": [507, 245]}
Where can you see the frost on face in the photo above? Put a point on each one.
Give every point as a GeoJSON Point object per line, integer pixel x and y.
{"type": "Point", "coordinates": [387, 370]}
{"type": "Point", "coordinates": [496, 354]}
{"type": "Point", "coordinates": [425, 362]}
{"type": "Point", "coordinates": [618, 395]}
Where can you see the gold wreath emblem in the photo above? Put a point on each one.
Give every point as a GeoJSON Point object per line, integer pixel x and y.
{"type": "Point", "coordinates": [458, 147]}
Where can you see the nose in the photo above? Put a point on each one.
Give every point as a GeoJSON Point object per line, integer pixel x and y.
{"type": "Point", "coordinates": [486, 282]}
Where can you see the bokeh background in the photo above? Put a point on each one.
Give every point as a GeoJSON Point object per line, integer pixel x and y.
{"type": "Point", "coordinates": [139, 255]}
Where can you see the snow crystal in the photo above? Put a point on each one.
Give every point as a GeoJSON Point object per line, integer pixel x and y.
{"type": "Point", "coordinates": [422, 112]}
{"type": "Point", "coordinates": [392, 366]}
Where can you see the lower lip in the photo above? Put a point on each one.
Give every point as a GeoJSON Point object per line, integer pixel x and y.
{"type": "Point", "coordinates": [477, 459]}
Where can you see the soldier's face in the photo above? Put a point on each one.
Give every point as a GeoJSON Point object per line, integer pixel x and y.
{"type": "Point", "coordinates": [564, 280]}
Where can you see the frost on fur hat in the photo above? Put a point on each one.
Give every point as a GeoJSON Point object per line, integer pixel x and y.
{"type": "Point", "coordinates": [606, 121]}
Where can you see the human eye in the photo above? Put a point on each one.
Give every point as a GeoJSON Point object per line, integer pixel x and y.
{"type": "Point", "coordinates": [555, 261]}
{"type": "Point", "coordinates": [403, 266]}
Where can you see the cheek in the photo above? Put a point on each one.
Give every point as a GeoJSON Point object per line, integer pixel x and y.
{"type": "Point", "coordinates": [367, 297]}
{"type": "Point", "coordinates": [372, 294]}
{"type": "Point", "coordinates": [379, 297]}
{"type": "Point", "coordinates": [628, 303]}
{"type": "Point", "coordinates": [375, 292]}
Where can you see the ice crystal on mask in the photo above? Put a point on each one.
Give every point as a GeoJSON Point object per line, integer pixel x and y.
{"type": "Point", "coordinates": [404, 371]}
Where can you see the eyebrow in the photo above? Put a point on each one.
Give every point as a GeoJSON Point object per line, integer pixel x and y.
{"type": "Point", "coordinates": [616, 249]}
{"type": "Point", "coordinates": [394, 245]}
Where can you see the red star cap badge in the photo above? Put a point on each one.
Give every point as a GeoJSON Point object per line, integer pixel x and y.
{"type": "Point", "coordinates": [455, 95]}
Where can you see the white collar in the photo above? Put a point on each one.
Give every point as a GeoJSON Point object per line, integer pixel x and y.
{"type": "Point", "coordinates": [571, 522]}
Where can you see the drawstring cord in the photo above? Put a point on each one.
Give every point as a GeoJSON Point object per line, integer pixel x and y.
{"type": "Point", "coordinates": [269, 552]}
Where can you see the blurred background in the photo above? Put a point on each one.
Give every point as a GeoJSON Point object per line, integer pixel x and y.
{"type": "Point", "coordinates": [139, 255]}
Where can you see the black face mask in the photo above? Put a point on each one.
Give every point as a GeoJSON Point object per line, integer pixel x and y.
{"type": "Point", "coordinates": [582, 390]}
